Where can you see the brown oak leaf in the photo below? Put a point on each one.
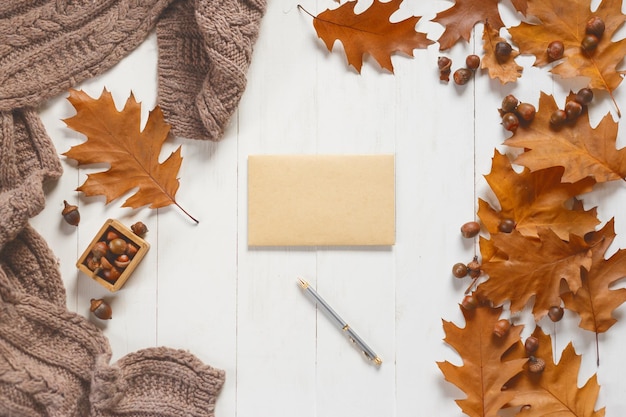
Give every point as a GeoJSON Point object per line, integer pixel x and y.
{"type": "Point", "coordinates": [595, 301]}
{"type": "Point", "coordinates": [114, 137]}
{"type": "Point", "coordinates": [532, 267]}
{"type": "Point", "coordinates": [582, 150]}
{"type": "Point", "coordinates": [555, 391]}
{"type": "Point", "coordinates": [460, 19]}
{"type": "Point", "coordinates": [483, 372]}
{"type": "Point", "coordinates": [507, 71]}
{"type": "Point", "coordinates": [565, 20]}
{"type": "Point", "coordinates": [369, 32]}
{"type": "Point", "coordinates": [535, 200]}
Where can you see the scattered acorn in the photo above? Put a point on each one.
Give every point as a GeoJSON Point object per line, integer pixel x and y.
{"type": "Point", "coordinates": [510, 122]}
{"type": "Point", "coordinates": [472, 62]}
{"type": "Point", "coordinates": [555, 50]}
{"type": "Point", "coordinates": [70, 213]}
{"type": "Point", "coordinates": [509, 104]}
{"type": "Point", "coordinates": [501, 328]}
{"type": "Point", "coordinates": [595, 26]}
{"type": "Point", "coordinates": [573, 109]}
{"type": "Point", "coordinates": [506, 225]}
{"type": "Point", "coordinates": [589, 43]}
{"type": "Point", "coordinates": [469, 302]}
{"type": "Point", "coordinates": [503, 51]}
{"type": "Point", "coordinates": [558, 118]}
{"type": "Point", "coordinates": [444, 64]}
{"type": "Point", "coordinates": [555, 313]}
{"type": "Point", "coordinates": [526, 111]}
{"type": "Point", "coordinates": [139, 229]}
{"type": "Point", "coordinates": [584, 96]}
{"type": "Point", "coordinates": [462, 76]}
{"type": "Point", "coordinates": [474, 268]}
{"type": "Point", "coordinates": [531, 345]}
{"type": "Point", "coordinates": [470, 229]}
{"type": "Point", "coordinates": [536, 365]}
{"type": "Point", "coordinates": [459, 270]}
{"type": "Point", "coordinates": [101, 309]}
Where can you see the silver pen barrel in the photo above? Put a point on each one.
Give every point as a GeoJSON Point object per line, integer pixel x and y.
{"type": "Point", "coordinates": [341, 323]}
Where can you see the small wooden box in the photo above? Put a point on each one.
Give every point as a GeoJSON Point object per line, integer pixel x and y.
{"type": "Point", "coordinates": [130, 238]}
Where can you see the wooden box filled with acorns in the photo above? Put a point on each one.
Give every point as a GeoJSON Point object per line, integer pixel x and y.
{"type": "Point", "coordinates": [113, 254]}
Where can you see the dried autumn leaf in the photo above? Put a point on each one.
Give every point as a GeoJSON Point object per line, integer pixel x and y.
{"type": "Point", "coordinates": [460, 19]}
{"type": "Point", "coordinates": [483, 372]}
{"type": "Point", "coordinates": [595, 301]}
{"type": "Point", "coordinates": [133, 155]}
{"type": "Point", "coordinates": [533, 267]}
{"type": "Point", "coordinates": [535, 200]}
{"type": "Point", "coordinates": [565, 20]}
{"type": "Point", "coordinates": [582, 150]}
{"type": "Point", "coordinates": [507, 71]}
{"type": "Point", "coordinates": [555, 391]}
{"type": "Point", "coordinates": [369, 32]}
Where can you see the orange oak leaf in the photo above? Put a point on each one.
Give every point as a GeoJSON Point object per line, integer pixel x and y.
{"type": "Point", "coordinates": [460, 19]}
{"type": "Point", "coordinates": [580, 149]}
{"type": "Point", "coordinates": [507, 71]}
{"type": "Point", "coordinates": [595, 301]}
{"type": "Point", "coordinates": [483, 372]}
{"type": "Point", "coordinates": [114, 137]}
{"type": "Point", "coordinates": [535, 200]}
{"type": "Point", "coordinates": [565, 20]}
{"type": "Point", "coordinates": [533, 267]}
{"type": "Point", "coordinates": [555, 391]}
{"type": "Point", "coordinates": [369, 32]}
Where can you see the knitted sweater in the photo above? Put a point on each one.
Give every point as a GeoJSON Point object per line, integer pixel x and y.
{"type": "Point", "coordinates": [54, 362]}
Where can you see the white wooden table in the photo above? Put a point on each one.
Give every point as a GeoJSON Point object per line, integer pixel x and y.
{"type": "Point", "coordinates": [201, 288]}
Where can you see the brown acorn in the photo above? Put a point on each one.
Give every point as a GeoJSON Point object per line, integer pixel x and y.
{"type": "Point", "coordinates": [501, 328]}
{"type": "Point", "coordinates": [555, 313]}
{"type": "Point", "coordinates": [536, 365]}
{"type": "Point", "coordinates": [531, 345]}
{"type": "Point", "coordinates": [470, 229]}
{"type": "Point", "coordinates": [139, 228]}
{"type": "Point", "coordinates": [101, 309]}
{"type": "Point", "coordinates": [462, 76]}
{"type": "Point", "coordinates": [503, 51]}
{"type": "Point", "coordinates": [595, 26]}
{"type": "Point", "coordinates": [70, 213]}
{"type": "Point", "coordinates": [555, 50]}
{"type": "Point", "coordinates": [473, 268]}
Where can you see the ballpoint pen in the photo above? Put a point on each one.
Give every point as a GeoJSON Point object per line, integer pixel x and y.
{"type": "Point", "coordinates": [367, 351]}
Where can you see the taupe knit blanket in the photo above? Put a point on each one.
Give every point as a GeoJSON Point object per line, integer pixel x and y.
{"type": "Point", "coordinates": [54, 362]}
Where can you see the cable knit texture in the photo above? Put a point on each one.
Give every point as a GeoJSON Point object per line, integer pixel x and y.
{"type": "Point", "coordinates": [54, 362]}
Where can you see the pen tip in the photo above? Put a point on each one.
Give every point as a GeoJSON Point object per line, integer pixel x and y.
{"type": "Point", "coordinates": [303, 283]}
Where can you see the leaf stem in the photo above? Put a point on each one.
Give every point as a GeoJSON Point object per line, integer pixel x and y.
{"type": "Point", "coordinates": [619, 113]}
{"type": "Point", "coordinates": [305, 11]}
{"type": "Point", "coordinates": [469, 289]}
{"type": "Point", "coordinates": [597, 351]}
{"type": "Point", "coordinates": [185, 211]}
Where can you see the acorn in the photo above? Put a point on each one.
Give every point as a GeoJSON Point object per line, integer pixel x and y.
{"type": "Point", "coordinates": [101, 309]}
{"type": "Point", "coordinates": [595, 26]}
{"type": "Point", "coordinates": [536, 365]}
{"type": "Point", "coordinates": [70, 213]}
{"type": "Point", "coordinates": [503, 51]}
{"type": "Point", "coordinates": [501, 328]}
{"type": "Point", "coordinates": [139, 229]}
{"type": "Point", "coordinates": [531, 345]}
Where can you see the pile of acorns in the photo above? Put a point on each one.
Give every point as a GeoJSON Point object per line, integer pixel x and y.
{"type": "Point", "coordinates": [462, 75]}
{"type": "Point", "coordinates": [111, 255]}
{"type": "Point", "coordinates": [513, 113]}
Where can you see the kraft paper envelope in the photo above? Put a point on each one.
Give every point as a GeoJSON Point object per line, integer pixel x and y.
{"type": "Point", "coordinates": [311, 200]}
